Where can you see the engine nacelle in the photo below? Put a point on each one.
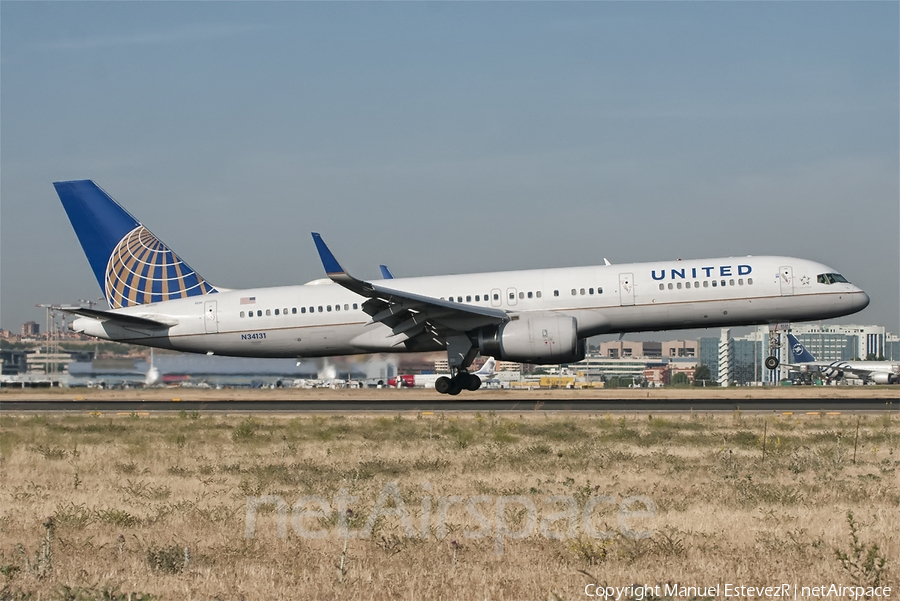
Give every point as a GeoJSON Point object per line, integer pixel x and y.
{"type": "Point", "coordinates": [884, 377]}
{"type": "Point", "coordinates": [542, 339]}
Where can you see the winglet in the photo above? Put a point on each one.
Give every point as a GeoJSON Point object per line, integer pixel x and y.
{"type": "Point", "coordinates": [332, 267]}
{"type": "Point", "coordinates": [801, 355]}
{"type": "Point", "coordinates": [386, 273]}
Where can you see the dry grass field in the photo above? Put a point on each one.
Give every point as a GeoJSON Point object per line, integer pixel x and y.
{"type": "Point", "coordinates": [103, 507]}
{"type": "Point", "coordinates": [887, 393]}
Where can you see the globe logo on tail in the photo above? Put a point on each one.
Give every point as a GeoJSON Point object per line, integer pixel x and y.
{"type": "Point", "coordinates": [143, 270]}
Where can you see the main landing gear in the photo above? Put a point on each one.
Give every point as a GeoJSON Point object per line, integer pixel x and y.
{"type": "Point", "coordinates": [461, 381]}
{"type": "Point", "coordinates": [460, 354]}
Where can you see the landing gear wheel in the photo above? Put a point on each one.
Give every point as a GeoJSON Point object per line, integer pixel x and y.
{"type": "Point", "coordinates": [454, 389]}
{"type": "Point", "coordinates": [444, 384]}
{"type": "Point", "coordinates": [469, 381]}
{"type": "Point", "coordinates": [771, 362]}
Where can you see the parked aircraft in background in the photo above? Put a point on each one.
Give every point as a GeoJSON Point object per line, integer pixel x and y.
{"type": "Point", "coordinates": [539, 316]}
{"type": "Point", "coordinates": [879, 372]}
{"type": "Point", "coordinates": [486, 373]}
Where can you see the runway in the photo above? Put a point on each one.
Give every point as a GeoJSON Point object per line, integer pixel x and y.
{"type": "Point", "coordinates": [778, 405]}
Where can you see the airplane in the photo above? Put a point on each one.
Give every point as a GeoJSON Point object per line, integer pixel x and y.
{"type": "Point", "coordinates": [538, 316]}
{"type": "Point", "coordinates": [486, 372]}
{"type": "Point", "coordinates": [879, 372]}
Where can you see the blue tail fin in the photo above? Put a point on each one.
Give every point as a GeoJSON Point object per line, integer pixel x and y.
{"type": "Point", "coordinates": [132, 266]}
{"type": "Point", "coordinates": [386, 273]}
{"type": "Point", "coordinates": [799, 352]}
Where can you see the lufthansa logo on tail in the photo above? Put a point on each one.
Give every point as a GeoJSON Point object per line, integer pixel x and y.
{"type": "Point", "coordinates": [143, 270]}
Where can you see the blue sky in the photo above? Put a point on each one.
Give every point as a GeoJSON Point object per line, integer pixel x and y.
{"type": "Point", "coordinates": [452, 137]}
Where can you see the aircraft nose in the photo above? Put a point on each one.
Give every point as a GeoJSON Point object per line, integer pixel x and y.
{"type": "Point", "coordinates": [860, 300]}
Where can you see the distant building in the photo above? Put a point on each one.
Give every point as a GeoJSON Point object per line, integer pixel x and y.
{"type": "Point", "coordinates": [30, 328]}
{"type": "Point", "coordinates": [617, 349]}
{"type": "Point", "coordinates": [892, 347]}
{"type": "Point", "coordinates": [681, 348]}
{"type": "Point", "coordinates": [841, 342]}
{"type": "Point", "coordinates": [623, 349]}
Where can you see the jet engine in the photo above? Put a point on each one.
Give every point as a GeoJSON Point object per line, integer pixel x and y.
{"type": "Point", "coordinates": [545, 338]}
{"type": "Point", "coordinates": [884, 377]}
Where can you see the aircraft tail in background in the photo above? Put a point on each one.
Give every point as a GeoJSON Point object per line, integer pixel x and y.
{"type": "Point", "coordinates": [488, 369]}
{"type": "Point", "coordinates": [132, 266]}
{"type": "Point", "coordinates": [798, 351]}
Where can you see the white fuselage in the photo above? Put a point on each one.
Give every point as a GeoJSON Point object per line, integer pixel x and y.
{"type": "Point", "coordinates": [324, 319]}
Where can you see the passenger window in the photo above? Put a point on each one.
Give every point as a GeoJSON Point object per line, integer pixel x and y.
{"type": "Point", "coordinates": [749, 281]}
{"type": "Point", "coordinates": [259, 313]}
{"type": "Point", "coordinates": [599, 290]}
{"type": "Point", "coordinates": [302, 310]}
{"type": "Point", "coordinates": [285, 311]}
{"type": "Point", "coordinates": [459, 299]}
{"type": "Point", "coordinates": [268, 312]}
{"type": "Point", "coordinates": [250, 314]}
{"type": "Point", "coordinates": [662, 286]}
{"type": "Point", "coordinates": [538, 294]}
{"type": "Point", "coordinates": [354, 306]}
{"type": "Point", "coordinates": [731, 282]}
{"type": "Point", "coordinates": [590, 290]}
{"type": "Point", "coordinates": [242, 313]}
{"type": "Point", "coordinates": [574, 292]}
{"type": "Point", "coordinates": [723, 282]}
{"type": "Point", "coordinates": [328, 308]}
{"type": "Point", "coordinates": [556, 293]}
{"type": "Point", "coordinates": [521, 295]}
{"type": "Point", "coordinates": [276, 312]}
{"type": "Point", "coordinates": [312, 309]}
{"type": "Point", "coordinates": [468, 299]}
{"type": "Point", "coordinates": [670, 286]}
{"type": "Point", "coordinates": [706, 283]}
{"type": "Point", "coordinates": [512, 296]}
{"type": "Point", "coordinates": [678, 285]}
{"type": "Point", "coordinates": [320, 308]}
{"type": "Point", "coordinates": [582, 292]}
{"type": "Point", "coordinates": [740, 281]}
{"type": "Point", "coordinates": [715, 283]}
{"type": "Point", "coordinates": [477, 298]}
{"type": "Point", "coordinates": [346, 307]}
{"type": "Point", "coordinates": [337, 307]}
{"type": "Point", "coordinates": [529, 295]}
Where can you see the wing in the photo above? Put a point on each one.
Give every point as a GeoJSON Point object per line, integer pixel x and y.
{"type": "Point", "coordinates": [407, 314]}
{"type": "Point", "coordinates": [122, 319]}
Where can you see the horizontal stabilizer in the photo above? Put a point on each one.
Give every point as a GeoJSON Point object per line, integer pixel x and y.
{"type": "Point", "coordinates": [156, 322]}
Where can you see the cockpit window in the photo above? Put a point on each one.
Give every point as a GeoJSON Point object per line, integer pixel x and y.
{"type": "Point", "coordinates": [831, 278]}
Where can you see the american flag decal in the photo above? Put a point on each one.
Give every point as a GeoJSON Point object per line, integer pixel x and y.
{"type": "Point", "coordinates": [248, 300]}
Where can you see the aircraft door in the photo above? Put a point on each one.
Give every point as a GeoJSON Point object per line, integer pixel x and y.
{"type": "Point", "coordinates": [626, 289]}
{"type": "Point", "coordinates": [496, 299]}
{"type": "Point", "coordinates": [210, 317]}
{"type": "Point", "coordinates": [786, 275]}
{"type": "Point", "coordinates": [511, 296]}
